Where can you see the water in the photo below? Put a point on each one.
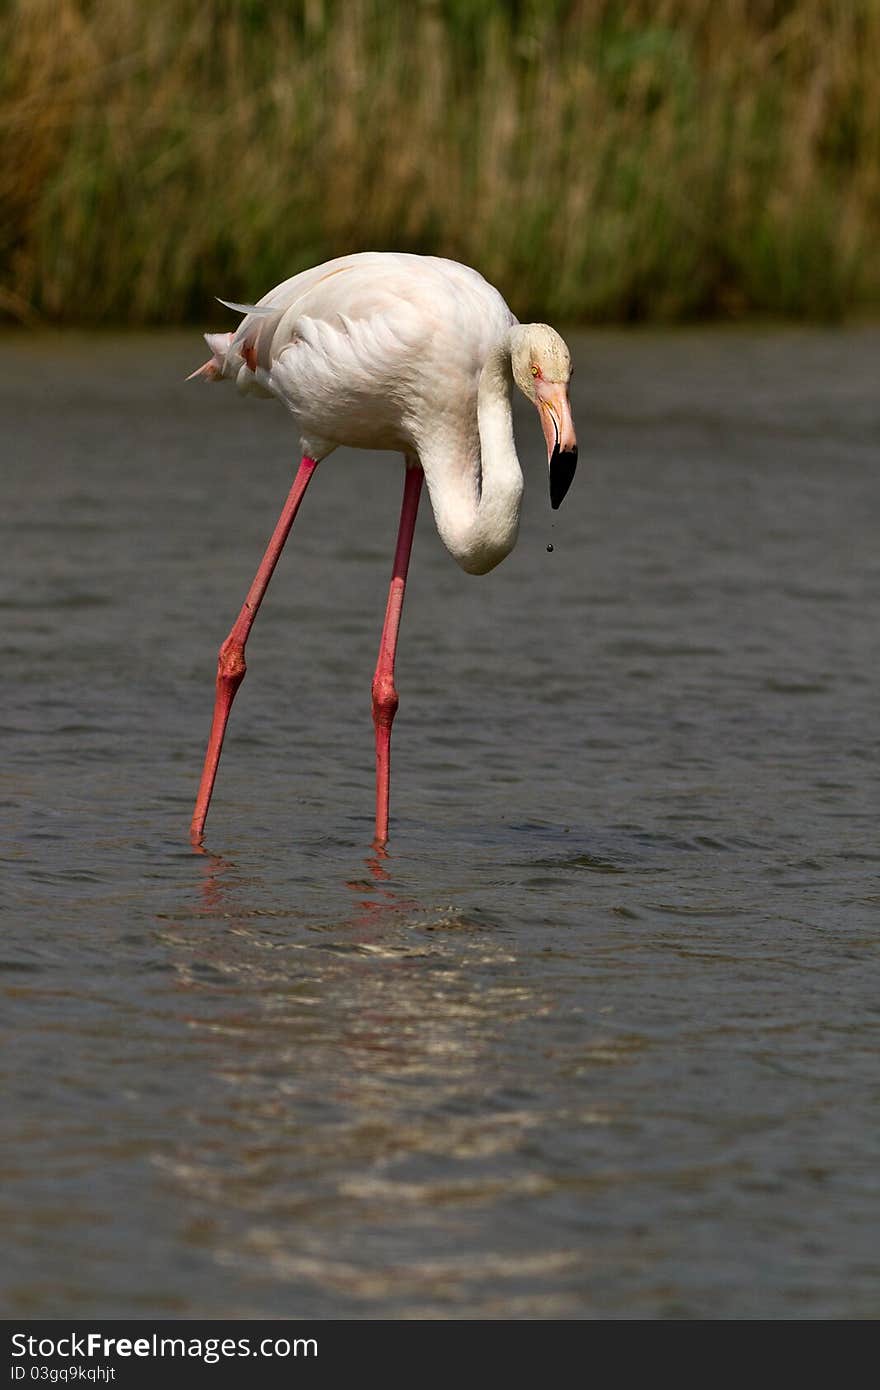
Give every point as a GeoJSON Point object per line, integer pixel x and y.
{"type": "Point", "coordinates": [598, 1038]}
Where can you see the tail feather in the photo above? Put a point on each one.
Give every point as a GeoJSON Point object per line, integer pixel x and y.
{"type": "Point", "coordinates": [210, 370]}
{"type": "Point", "coordinates": [215, 367]}
{"type": "Point", "coordinates": [259, 309]}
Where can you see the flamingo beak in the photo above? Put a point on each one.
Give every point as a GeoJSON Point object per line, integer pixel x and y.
{"type": "Point", "coordinates": [562, 449]}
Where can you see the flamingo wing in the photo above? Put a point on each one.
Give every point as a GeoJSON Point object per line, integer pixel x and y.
{"type": "Point", "coordinates": [364, 349]}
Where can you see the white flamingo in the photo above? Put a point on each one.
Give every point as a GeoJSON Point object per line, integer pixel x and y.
{"type": "Point", "coordinates": [413, 353]}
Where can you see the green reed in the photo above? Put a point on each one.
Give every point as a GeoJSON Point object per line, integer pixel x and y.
{"type": "Point", "coordinates": [597, 159]}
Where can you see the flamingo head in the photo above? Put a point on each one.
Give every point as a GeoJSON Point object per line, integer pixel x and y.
{"type": "Point", "coordinates": [541, 366]}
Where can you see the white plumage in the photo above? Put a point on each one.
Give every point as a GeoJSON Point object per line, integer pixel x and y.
{"type": "Point", "coordinates": [384, 350]}
{"type": "Point", "coordinates": [413, 353]}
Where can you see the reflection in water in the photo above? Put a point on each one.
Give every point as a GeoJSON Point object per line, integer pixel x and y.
{"type": "Point", "coordinates": [357, 1086]}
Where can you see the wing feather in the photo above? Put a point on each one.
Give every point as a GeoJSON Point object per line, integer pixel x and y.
{"type": "Point", "coordinates": [360, 347]}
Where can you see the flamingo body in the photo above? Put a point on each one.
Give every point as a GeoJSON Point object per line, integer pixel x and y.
{"type": "Point", "coordinates": [385, 350]}
{"type": "Point", "coordinates": [368, 349]}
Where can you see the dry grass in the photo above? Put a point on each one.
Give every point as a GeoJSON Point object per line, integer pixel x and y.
{"type": "Point", "coordinates": [597, 159]}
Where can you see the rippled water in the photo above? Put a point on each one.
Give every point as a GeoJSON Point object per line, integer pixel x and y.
{"type": "Point", "coordinates": [598, 1038]}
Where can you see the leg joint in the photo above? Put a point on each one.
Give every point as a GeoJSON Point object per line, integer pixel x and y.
{"type": "Point", "coordinates": [385, 700]}
{"type": "Point", "coordinates": [231, 665]}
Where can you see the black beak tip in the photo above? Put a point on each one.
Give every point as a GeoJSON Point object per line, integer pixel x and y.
{"type": "Point", "coordinates": [562, 469]}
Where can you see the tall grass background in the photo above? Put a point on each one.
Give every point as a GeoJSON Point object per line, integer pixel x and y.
{"type": "Point", "coordinates": [597, 159]}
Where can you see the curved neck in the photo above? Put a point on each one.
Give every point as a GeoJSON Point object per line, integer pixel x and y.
{"type": "Point", "coordinates": [498, 457]}
{"type": "Point", "coordinates": [476, 494]}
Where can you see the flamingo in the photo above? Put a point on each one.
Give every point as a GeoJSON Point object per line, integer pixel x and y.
{"type": "Point", "coordinates": [385, 350]}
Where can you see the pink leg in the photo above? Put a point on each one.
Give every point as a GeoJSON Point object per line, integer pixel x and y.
{"type": "Point", "coordinates": [384, 691]}
{"type": "Point", "coordinates": [231, 663]}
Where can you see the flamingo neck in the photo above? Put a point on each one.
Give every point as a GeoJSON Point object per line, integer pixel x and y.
{"type": "Point", "coordinates": [476, 487]}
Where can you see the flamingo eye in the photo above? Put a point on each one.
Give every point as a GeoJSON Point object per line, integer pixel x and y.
{"type": "Point", "coordinates": [535, 371]}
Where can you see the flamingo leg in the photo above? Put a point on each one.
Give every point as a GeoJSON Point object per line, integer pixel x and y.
{"type": "Point", "coordinates": [231, 664]}
{"type": "Point", "coordinates": [385, 699]}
